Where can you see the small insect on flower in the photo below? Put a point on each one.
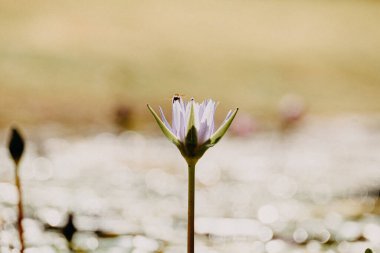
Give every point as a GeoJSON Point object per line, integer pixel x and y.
{"type": "Point", "coordinates": [192, 129]}
{"type": "Point", "coordinates": [176, 97]}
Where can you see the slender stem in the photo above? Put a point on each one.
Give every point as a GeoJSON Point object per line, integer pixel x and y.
{"type": "Point", "coordinates": [191, 208]}
{"type": "Point", "coordinates": [20, 210]}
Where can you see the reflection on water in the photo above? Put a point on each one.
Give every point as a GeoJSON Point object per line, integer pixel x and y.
{"type": "Point", "coordinates": [314, 190]}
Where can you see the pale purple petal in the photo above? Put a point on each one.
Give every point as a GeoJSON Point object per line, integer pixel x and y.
{"type": "Point", "coordinates": [182, 122]}
{"type": "Point", "coordinates": [211, 121]}
{"type": "Point", "coordinates": [203, 118]}
{"type": "Point", "coordinates": [182, 129]}
{"type": "Point", "coordinates": [207, 112]}
{"type": "Point", "coordinates": [176, 118]}
{"type": "Point", "coordinates": [164, 120]}
{"type": "Point", "coordinates": [212, 125]}
{"type": "Point", "coordinates": [207, 121]}
{"type": "Point", "coordinates": [202, 133]}
{"type": "Point", "coordinates": [183, 105]}
{"type": "Point", "coordinates": [201, 110]}
{"type": "Point", "coordinates": [187, 115]}
{"type": "Point", "coordinates": [203, 107]}
{"type": "Point", "coordinates": [196, 115]}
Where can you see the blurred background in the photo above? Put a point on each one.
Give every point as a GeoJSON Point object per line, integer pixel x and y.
{"type": "Point", "coordinates": [299, 171]}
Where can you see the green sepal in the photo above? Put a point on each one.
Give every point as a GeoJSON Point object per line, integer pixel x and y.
{"type": "Point", "coordinates": [222, 130]}
{"type": "Point", "coordinates": [164, 129]}
{"type": "Point", "coordinates": [368, 250]}
{"type": "Point", "coordinates": [191, 139]}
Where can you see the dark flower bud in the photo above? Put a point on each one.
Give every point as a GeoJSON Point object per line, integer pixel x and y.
{"type": "Point", "coordinates": [69, 229]}
{"type": "Point", "coordinates": [16, 145]}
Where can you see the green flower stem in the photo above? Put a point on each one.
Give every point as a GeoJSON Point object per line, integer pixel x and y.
{"type": "Point", "coordinates": [20, 210]}
{"type": "Point", "coordinates": [191, 208]}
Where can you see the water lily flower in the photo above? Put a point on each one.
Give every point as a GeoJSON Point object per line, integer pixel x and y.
{"type": "Point", "coordinates": [192, 131]}
{"type": "Point", "coordinates": [193, 126]}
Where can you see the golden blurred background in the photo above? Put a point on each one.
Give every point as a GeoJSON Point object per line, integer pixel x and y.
{"type": "Point", "coordinates": [75, 77]}
{"type": "Point", "coordinates": [79, 62]}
